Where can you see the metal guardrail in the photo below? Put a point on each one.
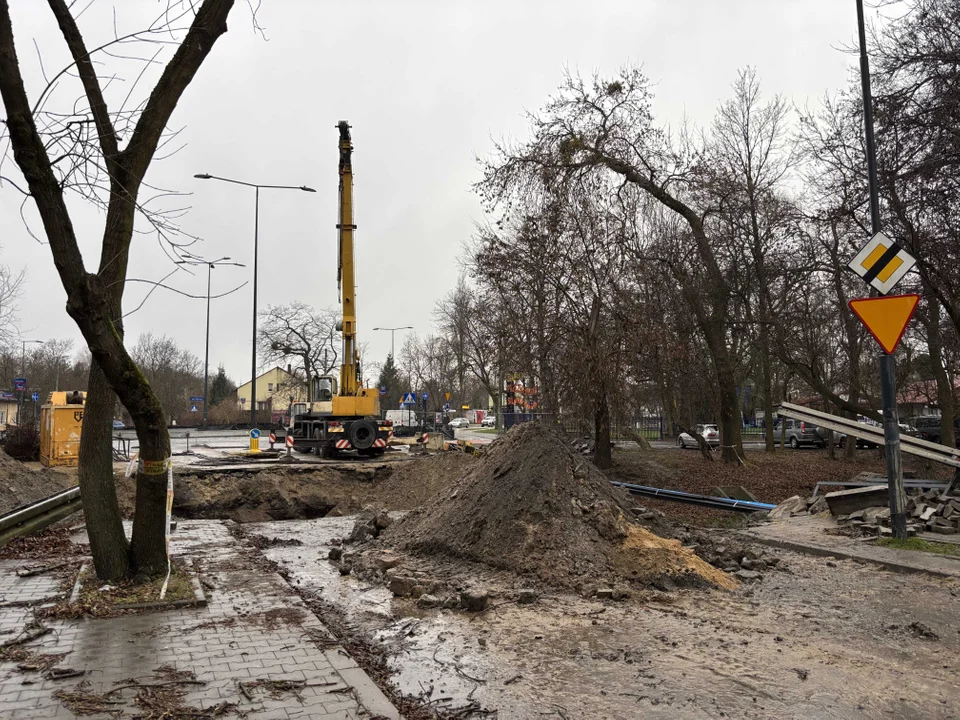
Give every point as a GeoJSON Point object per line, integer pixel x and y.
{"type": "Point", "coordinates": [911, 445]}
{"type": "Point", "coordinates": [30, 518]}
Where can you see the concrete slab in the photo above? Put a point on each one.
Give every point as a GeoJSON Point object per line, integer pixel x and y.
{"type": "Point", "coordinates": [807, 535]}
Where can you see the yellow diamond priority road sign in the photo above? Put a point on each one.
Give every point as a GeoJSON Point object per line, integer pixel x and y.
{"type": "Point", "coordinates": [882, 263]}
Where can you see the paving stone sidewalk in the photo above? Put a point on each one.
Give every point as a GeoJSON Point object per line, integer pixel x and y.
{"type": "Point", "coordinates": [254, 628]}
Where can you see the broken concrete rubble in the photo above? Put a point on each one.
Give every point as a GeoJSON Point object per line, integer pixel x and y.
{"type": "Point", "coordinates": [927, 511]}
{"type": "Point", "coordinates": [844, 502]}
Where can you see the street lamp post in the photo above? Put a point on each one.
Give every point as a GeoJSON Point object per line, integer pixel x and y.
{"type": "Point", "coordinates": [23, 370]}
{"type": "Point", "coordinates": [206, 348]}
{"type": "Point", "coordinates": [392, 332]}
{"type": "Point", "coordinates": [256, 232]}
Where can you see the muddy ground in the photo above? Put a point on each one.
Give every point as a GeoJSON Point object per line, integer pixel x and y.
{"type": "Point", "coordinates": [817, 638]}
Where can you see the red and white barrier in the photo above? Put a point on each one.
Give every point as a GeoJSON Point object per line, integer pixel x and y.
{"type": "Point", "coordinates": [379, 443]}
{"type": "Point", "coordinates": [289, 441]}
{"type": "Point", "coordinates": [343, 444]}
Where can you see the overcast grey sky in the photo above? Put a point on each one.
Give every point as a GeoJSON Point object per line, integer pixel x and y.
{"type": "Point", "coordinates": [425, 86]}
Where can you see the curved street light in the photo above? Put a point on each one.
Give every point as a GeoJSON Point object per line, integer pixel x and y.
{"type": "Point", "coordinates": [256, 231]}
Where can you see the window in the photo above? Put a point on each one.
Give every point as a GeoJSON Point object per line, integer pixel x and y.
{"type": "Point", "coordinates": [269, 387]}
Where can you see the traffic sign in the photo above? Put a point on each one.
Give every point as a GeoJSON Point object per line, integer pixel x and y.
{"type": "Point", "coordinates": [882, 263]}
{"type": "Point", "coordinates": [35, 397]}
{"type": "Point", "coordinates": [446, 407]}
{"type": "Point", "coordinates": [193, 408]}
{"type": "Point", "coordinates": [19, 383]}
{"type": "Point", "coordinates": [424, 396]}
{"type": "Point", "coordinates": [196, 399]}
{"type": "Point", "coordinates": [255, 434]}
{"type": "Point", "coordinates": [446, 396]}
{"type": "Point", "coordinates": [409, 399]}
{"type": "Point", "coordinates": [886, 317]}
{"type": "Point", "coordinates": [383, 390]}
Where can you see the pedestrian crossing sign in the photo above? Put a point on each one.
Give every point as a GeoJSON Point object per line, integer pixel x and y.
{"type": "Point", "coordinates": [882, 263]}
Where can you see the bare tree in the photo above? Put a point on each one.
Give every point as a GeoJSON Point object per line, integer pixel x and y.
{"type": "Point", "coordinates": [174, 374]}
{"type": "Point", "coordinates": [10, 290]}
{"type": "Point", "coordinates": [104, 155]}
{"type": "Point", "coordinates": [605, 128]}
{"type": "Point", "coordinates": [298, 332]}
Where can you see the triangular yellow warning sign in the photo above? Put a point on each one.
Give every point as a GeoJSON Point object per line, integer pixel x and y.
{"type": "Point", "coordinates": [886, 317]}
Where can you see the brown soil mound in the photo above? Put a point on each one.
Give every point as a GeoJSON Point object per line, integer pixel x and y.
{"type": "Point", "coordinates": [20, 485]}
{"type": "Point", "coordinates": [532, 506]}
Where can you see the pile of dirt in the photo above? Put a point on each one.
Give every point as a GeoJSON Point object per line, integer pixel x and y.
{"type": "Point", "coordinates": [20, 485]}
{"type": "Point", "coordinates": [416, 482]}
{"type": "Point", "coordinates": [533, 506]}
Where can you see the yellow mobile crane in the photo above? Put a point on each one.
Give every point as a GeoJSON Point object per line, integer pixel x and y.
{"type": "Point", "coordinates": [343, 416]}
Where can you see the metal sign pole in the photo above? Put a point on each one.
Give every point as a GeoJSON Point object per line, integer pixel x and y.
{"type": "Point", "coordinates": [888, 386]}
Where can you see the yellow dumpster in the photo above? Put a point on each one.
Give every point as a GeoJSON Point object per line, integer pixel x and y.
{"type": "Point", "coordinates": [61, 421]}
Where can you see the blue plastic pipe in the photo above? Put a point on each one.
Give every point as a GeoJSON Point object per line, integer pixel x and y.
{"type": "Point", "coordinates": [695, 499]}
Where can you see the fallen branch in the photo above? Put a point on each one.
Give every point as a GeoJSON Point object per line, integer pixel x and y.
{"type": "Point", "coordinates": [30, 635]}
{"type": "Point", "coordinates": [48, 568]}
{"type": "Point", "coordinates": [153, 685]}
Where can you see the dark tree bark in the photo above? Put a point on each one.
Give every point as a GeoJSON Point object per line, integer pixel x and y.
{"type": "Point", "coordinates": [108, 543]}
{"type": "Point", "coordinates": [93, 299]}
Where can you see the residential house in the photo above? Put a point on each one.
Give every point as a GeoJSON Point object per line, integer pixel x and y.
{"type": "Point", "coordinates": [8, 409]}
{"type": "Point", "coordinates": [275, 388]}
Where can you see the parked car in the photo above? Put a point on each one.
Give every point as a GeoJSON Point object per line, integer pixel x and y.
{"type": "Point", "coordinates": [928, 427]}
{"type": "Point", "coordinates": [459, 422]}
{"type": "Point", "coordinates": [710, 433]}
{"type": "Point", "coordinates": [905, 429]}
{"type": "Point", "coordinates": [801, 432]}
{"type": "Point", "coordinates": [118, 425]}
{"type": "Point", "coordinates": [489, 421]}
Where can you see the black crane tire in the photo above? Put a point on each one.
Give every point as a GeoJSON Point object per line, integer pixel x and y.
{"type": "Point", "coordinates": [362, 434]}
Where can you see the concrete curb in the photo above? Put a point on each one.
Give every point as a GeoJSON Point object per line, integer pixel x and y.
{"type": "Point", "coordinates": [877, 556]}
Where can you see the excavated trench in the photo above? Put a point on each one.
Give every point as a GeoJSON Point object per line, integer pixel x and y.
{"type": "Point", "coordinates": [304, 492]}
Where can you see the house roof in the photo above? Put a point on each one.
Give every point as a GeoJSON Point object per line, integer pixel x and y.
{"type": "Point", "coordinates": [264, 374]}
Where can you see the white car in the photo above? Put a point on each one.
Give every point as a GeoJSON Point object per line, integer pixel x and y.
{"type": "Point", "coordinates": [459, 422]}
{"type": "Point", "coordinates": [489, 421]}
{"type": "Point", "coordinates": [710, 433]}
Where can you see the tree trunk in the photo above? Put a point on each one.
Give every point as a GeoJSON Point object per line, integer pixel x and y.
{"type": "Point", "coordinates": [730, 438]}
{"type": "Point", "coordinates": [766, 384]}
{"type": "Point", "coordinates": [148, 556]}
{"type": "Point", "coordinates": [108, 543]}
{"type": "Point", "coordinates": [602, 456]}
{"type": "Point", "coordinates": [944, 387]}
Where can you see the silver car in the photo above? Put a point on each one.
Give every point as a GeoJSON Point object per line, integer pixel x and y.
{"type": "Point", "coordinates": [710, 433]}
{"type": "Point", "coordinates": [459, 422]}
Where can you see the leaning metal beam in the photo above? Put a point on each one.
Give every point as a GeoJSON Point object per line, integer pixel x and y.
{"type": "Point", "coordinates": [911, 445]}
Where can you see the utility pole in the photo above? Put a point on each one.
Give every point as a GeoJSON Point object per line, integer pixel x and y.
{"type": "Point", "coordinates": [256, 242]}
{"type": "Point", "coordinates": [392, 335]}
{"type": "Point", "coordinates": [888, 381]}
{"type": "Point", "coordinates": [211, 264]}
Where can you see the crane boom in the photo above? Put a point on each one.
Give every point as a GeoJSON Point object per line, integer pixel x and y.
{"type": "Point", "coordinates": [349, 369]}
{"type": "Point", "coordinates": [345, 417]}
